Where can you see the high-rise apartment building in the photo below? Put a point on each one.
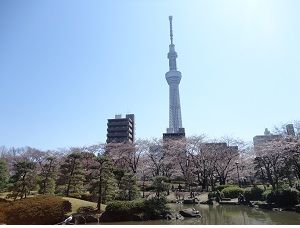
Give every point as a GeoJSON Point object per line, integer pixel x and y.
{"type": "Point", "coordinates": [259, 141]}
{"type": "Point", "coordinates": [121, 129]}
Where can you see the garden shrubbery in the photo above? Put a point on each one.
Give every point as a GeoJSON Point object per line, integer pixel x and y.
{"type": "Point", "coordinates": [89, 197]}
{"type": "Point", "coordinates": [125, 207]}
{"type": "Point", "coordinates": [42, 210]}
{"type": "Point", "coordinates": [232, 192]}
{"type": "Point", "coordinates": [284, 197]}
{"type": "Point", "coordinates": [221, 187]}
{"type": "Point", "coordinates": [155, 208]}
{"type": "Point", "coordinates": [86, 210]}
{"type": "Point", "coordinates": [149, 188]}
{"type": "Point", "coordinates": [135, 210]}
{"type": "Point", "coordinates": [214, 194]}
{"type": "Point", "coordinates": [254, 194]}
{"type": "Point", "coordinates": [3, 204]}
{"type": "Point", "coordinates": [265, 194]}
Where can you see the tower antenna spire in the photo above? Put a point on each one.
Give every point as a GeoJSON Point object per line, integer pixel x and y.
{"type": "Point", "coordinates": [171, 29]}
{"type": "Point", "coordinates": [173, 77]}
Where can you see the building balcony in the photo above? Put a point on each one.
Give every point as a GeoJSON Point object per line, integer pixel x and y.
{"type": "Point", "coordinates": [118, 123]}
{"type": "Point", "coordinates": [119, 129]}
{"type": "Point", "coordinates": [118, 134]}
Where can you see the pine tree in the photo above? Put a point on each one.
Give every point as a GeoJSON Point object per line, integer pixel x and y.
{"type": "Point", "coordinates": [71, 175]}
{"type": "Point", "coordinates": [103, 183]}
{"type": "Point", "coordinates": [160, 184]}
{"type": "Point", "coordinates": [3, 175]}
{"type": "Point", "coordinates": [47, 176]}
{"type": "Point", "coordinates": [24, 179]}
{"type": "Point", "coordinates": [128, 187]}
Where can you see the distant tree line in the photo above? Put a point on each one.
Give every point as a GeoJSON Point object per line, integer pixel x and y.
{"type": "Point", "coordinates": [123, 171]}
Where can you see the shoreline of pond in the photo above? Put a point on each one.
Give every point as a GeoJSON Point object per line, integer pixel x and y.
{"type": "Point", "coordinates": [215, 209]}
{"type": "Point", "coordinates": [223, 215]}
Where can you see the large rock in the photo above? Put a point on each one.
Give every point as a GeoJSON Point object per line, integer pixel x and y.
{"type": "Point", "coordinates": [171, 216]}
{"type": "Point", "coordinates": [297, 208]}
{"type": "Point", "coordinates": [190, 212]}
{"type": "Point", "coordinates": [91, 219]}
{"type": "Point", "coordinates": [79, 219]}
{"type": "Point", "coordinates": [190, 201]}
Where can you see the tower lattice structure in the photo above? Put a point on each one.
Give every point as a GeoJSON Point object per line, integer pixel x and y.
{"type": "Point", "coordinates": [173, 77]}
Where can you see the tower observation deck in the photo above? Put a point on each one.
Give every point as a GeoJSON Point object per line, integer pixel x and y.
{"type": "Point", "coordinates": [173, 77]}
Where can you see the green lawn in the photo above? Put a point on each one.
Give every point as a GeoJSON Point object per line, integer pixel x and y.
{"type": "Point", "coordinates": [76, 203]}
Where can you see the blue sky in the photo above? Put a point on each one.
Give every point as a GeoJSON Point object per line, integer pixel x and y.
{"type": "Point", "coordinates": [66, 66]}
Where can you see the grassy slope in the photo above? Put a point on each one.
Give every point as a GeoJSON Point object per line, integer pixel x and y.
{"type": "Point", "coordinates": [76, 203]}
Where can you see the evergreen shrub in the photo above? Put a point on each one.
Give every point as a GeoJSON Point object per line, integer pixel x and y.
{"type": "Point", "coordinates": [40, 210]}
{"type": "Point", "coordinates": [86, 209]}
{"type": "Point", "coordinates": [214, 194]}
{"type": "Point", "coordinates": [265, 194]}
{"type": "Point", "coordinates": [232, 192]}
{"type": "Point", "coordinates": [89, 197]}
{"type": "Point", "coordinates": [254, 194]}
{"type": "Point", "coordinates": [284, 197]}
{"type": "Point", "coordinates": [137, 210]}
{"type": "Point", "coordinates": [155, 208]}
{"type": "Point", "coordinates": [125, 207]}
{"type": "Point", "coordinates": [221, 187]}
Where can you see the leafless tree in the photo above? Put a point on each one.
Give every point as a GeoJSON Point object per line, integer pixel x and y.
{"type": "Point", "coordinates": [269, 161]}
{"type": "Point", "coordinates": [180, 158]}
{"type": "Point", "coordinates": [127, 155]}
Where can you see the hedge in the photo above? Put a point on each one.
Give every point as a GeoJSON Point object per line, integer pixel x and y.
{"type": "Point", "coordinates": [221, 187]}
{"type": "Point", "coordinates": [40, 210]}
{"type": "Point", "coordinates": [265, 194]}
{"type": "Point", "coordinates": [155, 208]}
{"type": "Point", "coordinates": [125, 207]}
{"type": "Point", "coordinates": [86, 210]}
{"type": "Point", "coordinates": [284, 197]}
{"type": "Point", "coordinates": [3, 205]}
{"type": "Point", "coordinates": [254, 193]}
{"type": "Point", "coordinates": [232, 192]}
{"type": "Point", "coordinates": [135, 210]}
{"type": "Point", "coordinates": [214, 194]}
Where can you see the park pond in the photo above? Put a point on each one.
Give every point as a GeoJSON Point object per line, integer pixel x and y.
{"type": "Point", "coordinates": [225, 215]}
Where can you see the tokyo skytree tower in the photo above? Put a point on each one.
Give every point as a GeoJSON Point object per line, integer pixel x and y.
{"type": "Point", "coordinates": [173, 77]}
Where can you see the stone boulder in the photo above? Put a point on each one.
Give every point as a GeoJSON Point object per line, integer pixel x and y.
{"type": "Point", "coordinates": [171, 216]}
{"type": "Point", "coordinates": [297, 208]}
{"type": "Point", "coordinates": [190, 201]}
{"type": "Point", "coordinates": [190, 212]}
{"type": "Point", "coordinates": [91, 219]}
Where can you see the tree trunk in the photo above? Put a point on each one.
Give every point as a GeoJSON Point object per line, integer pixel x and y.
{"type": "Point", "coordinates": [23, 186]}
{"type": "Point", "coordinates": [99, 193]}
{"type": "Point", "coordinates": [46, 178]}
{"type": "Point", "coordinates": [222, 181]}
{"type": "Point", "coordinates": [143, 188]}
{"type": "Point", "coordinates": [70, 178]}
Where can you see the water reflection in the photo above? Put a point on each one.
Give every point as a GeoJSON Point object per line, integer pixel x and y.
{"type": "Point", "coordinates": [227, 215]}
